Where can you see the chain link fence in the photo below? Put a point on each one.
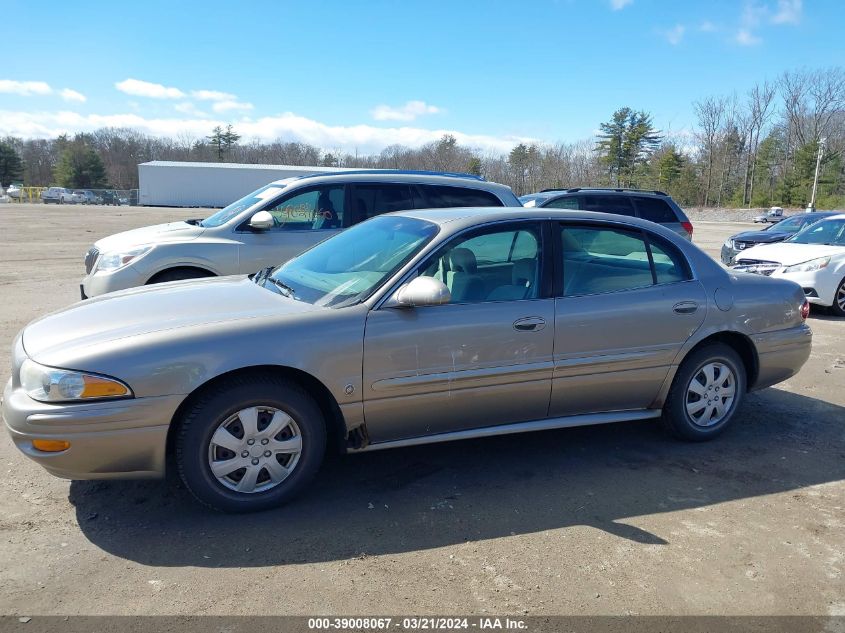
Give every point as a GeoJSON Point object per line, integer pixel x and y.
{"type": "Point", "coordinates": [64, 195]}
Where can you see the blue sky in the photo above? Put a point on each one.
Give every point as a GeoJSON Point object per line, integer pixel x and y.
{"type": "Point", "coordinates": [361, 75]}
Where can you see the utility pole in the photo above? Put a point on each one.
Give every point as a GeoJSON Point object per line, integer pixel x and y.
{"type": "Point", "coordinates": [812, 206]}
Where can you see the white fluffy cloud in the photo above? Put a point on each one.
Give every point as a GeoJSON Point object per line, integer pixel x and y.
{"type": "Point", "coordinates": [616, 5]}
{"type": "Point", "coordinates": [788, 12]}
{"type": "Point", "coordinates": [212, 95]}
{"type": "Point", "coordinates": [744, 37]}
{"type": "Point", "coordinates": [231, 105]}
{"type": "Point", "coordinates": [24, 88]}
{"type": "Point", "coordinates": [408, 112]}
{"type": "Point", "coordinates": [72, 95]}
{"type": "Point", "coordinates": [288, 126]}
{"type": "Point", "coordinates": [139, 88]}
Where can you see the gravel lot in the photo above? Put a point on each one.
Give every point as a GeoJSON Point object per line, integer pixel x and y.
{"type": "Point", "coordinates": [614, 519]}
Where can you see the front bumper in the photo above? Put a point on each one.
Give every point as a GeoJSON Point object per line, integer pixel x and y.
{"type": "Point", "coordinates": [728, 255]}
{"type": "Point", "coordinates": [99, 283]}
{"type": "Point", "coordinates": [118, 439]}
{"type": "Point", "coordinates": [819, 285]}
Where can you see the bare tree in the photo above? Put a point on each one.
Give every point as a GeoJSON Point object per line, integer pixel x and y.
{"type": "Point", "coordinates": [710, 113]}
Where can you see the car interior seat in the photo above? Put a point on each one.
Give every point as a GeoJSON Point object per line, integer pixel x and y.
{"type": "Point", "coordinates": [462, 276]}
{"type": "Point", "coordinates": [523, 284]}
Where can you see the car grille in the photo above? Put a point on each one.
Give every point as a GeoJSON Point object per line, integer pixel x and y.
{"type": "Point", "coordinates": [757, 266]}
{"type": "Point", "coordinates": [91, 259]}
{"type": "Point", "coordinates": [741, 246]}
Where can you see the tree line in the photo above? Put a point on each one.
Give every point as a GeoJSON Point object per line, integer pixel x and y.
{"type": "Point", "coordinates": [757, 148]}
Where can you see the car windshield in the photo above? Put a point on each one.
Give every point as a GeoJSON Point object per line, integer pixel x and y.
{"type": "Point", "coordinates": [828, 232]}
{"type": "Point", "coordinates": [238, 206]}
{"type": "Point", "coordinates": [789, 225]}
{"type": "Point", "coordinates": [347, 268]}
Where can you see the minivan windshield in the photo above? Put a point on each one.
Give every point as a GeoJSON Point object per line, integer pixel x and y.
{"type": "Point", "coordinates": [227, 213]}
{"type": "Point", "coordinates": [345, 269]}
{"type": "Point", "coordinates": [828, 232]}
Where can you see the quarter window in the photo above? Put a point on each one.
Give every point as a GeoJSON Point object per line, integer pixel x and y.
{"type": "Point", "coordinates": [567, 202]}
{"type": "Point", "coordinates": [655, 210]}
{"type": "Point", "coordinates": [372, 200]}
{"type": "Point", "coordinates": [445, 197]}
{"type": "Point", "coordinates": [608, 204]}
{"type": "Point", "coordinates": [318, 208]}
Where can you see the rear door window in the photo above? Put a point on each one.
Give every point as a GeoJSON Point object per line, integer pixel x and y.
{"type": "Point", "coordinates": [368, 201]}
{"type": "Point", "coordinates": [655, 210]}
{"type": "Point", "coordinates": [608, 204]}
{"type": "Point", "coordinates": [566, 202]}
{"type": "Point", "coordinates": [439, 197]}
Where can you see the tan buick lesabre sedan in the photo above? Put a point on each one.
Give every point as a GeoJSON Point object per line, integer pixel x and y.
{"type": "Point", "coordinates": [410, 328]}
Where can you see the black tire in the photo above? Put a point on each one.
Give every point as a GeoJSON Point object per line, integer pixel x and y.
{"type": "Point", "coordinates": [225, 400]}
{"type": "Point", "coordinates": [179, 274]}
{"type": "Point", "coordinates": [839, 308]}
{"type": "Point", "coordinates": [676, 419]}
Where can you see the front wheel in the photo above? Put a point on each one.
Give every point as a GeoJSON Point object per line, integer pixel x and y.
{"type": "Point", "coordinates": [706, 393]}
{"type": "Point", "coordinates": [253, 443]}
{"type": "Point", "coordinates": [838, 307]}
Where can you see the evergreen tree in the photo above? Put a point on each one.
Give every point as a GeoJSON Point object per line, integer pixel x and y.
{"type": "Point", "coordinates": [11, 165]}
{"type": "Point", "coordinates": [626, 142]}
{"type": "Point", "coordinates": [217, 140]}
{"type": "Point", "coordinates": [80, 166]}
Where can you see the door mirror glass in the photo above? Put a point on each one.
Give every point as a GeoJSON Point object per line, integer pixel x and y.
{"type": "Point", "coordinates": [423, 291]}
{"type": "Point", "coordinates": [261, 221]}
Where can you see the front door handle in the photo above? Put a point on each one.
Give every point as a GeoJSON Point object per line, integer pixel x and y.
{"type": "Point", "coordinates": [529, 324]}
{"type": "Point", "coordinates": [685, 307]}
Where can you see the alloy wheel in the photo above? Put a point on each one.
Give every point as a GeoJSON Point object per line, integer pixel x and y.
{"type": "Point", "coordinates": [255, 449]}
{"type": "Point", "coordinates": [710, 394]}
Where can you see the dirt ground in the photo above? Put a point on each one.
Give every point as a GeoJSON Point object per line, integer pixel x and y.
{"type": "Point", "coordinates": [614, 519]}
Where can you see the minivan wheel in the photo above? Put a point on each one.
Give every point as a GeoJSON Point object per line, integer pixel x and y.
{"type": "Point", "coordinates": [705, 394]}
{"type": "Point", "coordinates": [252, 443]}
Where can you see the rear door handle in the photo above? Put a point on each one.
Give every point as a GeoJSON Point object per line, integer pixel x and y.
{"type": "Point", "coordinates": [529, 324]}
{"type": "Point", "coordinates": [685, 307]}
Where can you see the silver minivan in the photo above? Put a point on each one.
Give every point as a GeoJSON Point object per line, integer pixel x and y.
{"type": "Point", "coordinates": [273, 224]}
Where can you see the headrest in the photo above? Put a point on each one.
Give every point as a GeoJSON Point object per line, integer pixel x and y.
{"type": "Point", "coordinates": [462, 260]}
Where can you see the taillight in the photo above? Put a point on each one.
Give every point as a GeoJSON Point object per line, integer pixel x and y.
{"type": "Point", "coordinates": [687, 227]}
{"type": "Point", "coordinates": [805, 309]}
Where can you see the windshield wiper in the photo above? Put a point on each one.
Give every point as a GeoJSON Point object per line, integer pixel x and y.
{"type": "Point", "coordinates": [284, 289]}
{"type": "Point", "coordinates": [262, 274]}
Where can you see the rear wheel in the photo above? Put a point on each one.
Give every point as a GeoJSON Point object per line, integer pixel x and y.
{"type": "Point", "coordinates": [706, 393]}
{"type": "Point", "coordinates": [252, 443]}
{"type": "Point", "coordinates": [838, 307]}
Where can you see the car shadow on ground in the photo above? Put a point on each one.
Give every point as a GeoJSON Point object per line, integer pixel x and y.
{"type": "Point", "coordinates": [439, 495]}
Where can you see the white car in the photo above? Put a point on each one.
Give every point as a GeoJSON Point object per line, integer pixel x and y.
{"type": "Point", "coordinates": [59, 195]}
{"type": "Point", "coordinates": [814, 258]}
{"type": "Point", "coordinates": [14, 192]}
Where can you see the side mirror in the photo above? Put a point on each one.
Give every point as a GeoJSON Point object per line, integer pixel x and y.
{"type": "Point", "coordinates": [261, 221]}
{"type": "Point", "coordinates": [423, 291]}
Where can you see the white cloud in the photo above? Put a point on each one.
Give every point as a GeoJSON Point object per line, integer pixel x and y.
{"type": "Point", "coordinates": [228, 106]}
{"type": "Point", "coordinates": [288, 126]}
{"type": "Point", "coordinates": [788, 12]}
{"type": "Point", "coordinates": [707, 26]}
{"type": "Point", "coordinates": [213, 95]}
{"type": "Point", "coordinates": [616, 5]}
{"type": "Point", "coordinates": [24, 88]}
{"type": "Point", "coordinates": [187, 107]}
{"type": "Point", "coordinates": [408, 112]}
{"type": "Point", "coordinates": [72, 95]}
{"type": "Point", "coordinates": [675, 34]}
{"type": "Point", "coordinates": [744, 37]}
{"type": "Point", "coordinates": [140, 88]}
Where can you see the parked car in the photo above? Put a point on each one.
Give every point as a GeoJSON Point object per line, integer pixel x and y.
{"type": "Point", "coordinates": [84, 196]}
{"type": "Point", "coordinates": [271, 225]}
{"type": "Point", "coordinates": [14, 191]}
{"type": "Point", "coordinates": [775, 214]}
{"type": "Point", "coordinates": [654, 206]}
{"type": "Point", "coordinates": [814, 258]}
{"type": "Point", "coordinates": [410, 328]}
{"type": "Point", "coordinates": [59, 195]}
{"type": "Point", "coordinates": [108, 198]}
{"type": "Point", "coordinates": [771, 234]}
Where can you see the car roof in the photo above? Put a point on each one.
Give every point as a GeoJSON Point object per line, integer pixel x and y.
{"type": "Point", "coordinates": [614, 191]}
{"type": "Point", "coordinates": [384, 175]}
{"type": "Point", "coordinates": [463, 217]}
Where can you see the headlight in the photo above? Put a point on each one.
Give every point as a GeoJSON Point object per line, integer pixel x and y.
{"type": "Point", "coordinates": [119, 259]}
{"type": "Point", "coordinates": [729, 243]}
{"type": "Point", "coordinates": [48, 384]}
{"type": "Point", "coordinates": [813, 264]}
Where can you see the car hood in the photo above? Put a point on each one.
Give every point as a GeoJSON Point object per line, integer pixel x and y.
{"type": "Point", "coordinates": [789, 253]}
{"type": "Point", "coordinates": [154, 309]}
{"type": "Point", "coordinates": [156, 234]}
{"type": "Point", "coordinates": [760, 237]}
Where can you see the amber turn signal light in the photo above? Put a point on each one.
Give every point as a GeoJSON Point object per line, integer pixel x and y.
{"type": "Point", "coordinates": [51, 446]}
